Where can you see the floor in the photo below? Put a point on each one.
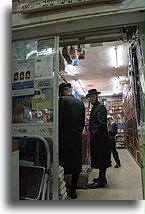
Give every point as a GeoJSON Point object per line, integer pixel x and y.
{"type": "Point", "coordinates": [124, 183]}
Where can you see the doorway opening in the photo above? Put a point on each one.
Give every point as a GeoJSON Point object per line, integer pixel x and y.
{"type": "Point", "coordinates": [105, 62]}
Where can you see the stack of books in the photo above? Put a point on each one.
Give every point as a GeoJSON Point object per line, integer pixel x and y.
{"type": "Point", "coordinates": [62, 184]}
{"type": "Point", "coordinates": [85, 169]}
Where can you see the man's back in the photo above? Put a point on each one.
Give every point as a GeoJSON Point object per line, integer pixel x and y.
{"type": "Point", "coordinates": [71, 124]}
{"type": "Point", "coordinates": [72, 113]}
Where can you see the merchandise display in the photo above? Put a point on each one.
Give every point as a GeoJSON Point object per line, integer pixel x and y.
{"type": "Point", "coordinates": [34, 101]}
{"type": "Point", "coordinates": [133, 102]}
{"type": "Point", "coordinates": [114, 105]}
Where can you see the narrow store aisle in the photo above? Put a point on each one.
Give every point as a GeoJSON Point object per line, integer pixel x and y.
{"type": "Point", "coordinates": [124, 183]}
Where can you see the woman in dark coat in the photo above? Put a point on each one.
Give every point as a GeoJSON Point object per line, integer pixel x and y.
{"type": "Point", "coordinates": [99, 145]}
{"type": "Point", "coordinates": [71, 124]}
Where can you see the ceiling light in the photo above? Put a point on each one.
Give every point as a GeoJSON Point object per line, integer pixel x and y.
{"type": "Point", "coordinates": [106, 94]}
{"type": "Point", "coordinates": [70, 70]}
{"type": "Point", "coordinates": [79, 88]}
{"type": "Point", "coordinates": [116, 56]}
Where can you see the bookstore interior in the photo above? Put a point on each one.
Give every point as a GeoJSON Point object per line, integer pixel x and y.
{"type": "Point", "coordinates": [112, 66]}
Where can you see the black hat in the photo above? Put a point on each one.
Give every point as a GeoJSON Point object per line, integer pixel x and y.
{"type": "Point", "coordinates": [64, 85]}
{"type": "Point", "coordinates": [93, 91]}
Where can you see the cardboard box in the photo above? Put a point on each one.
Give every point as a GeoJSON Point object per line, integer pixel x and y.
{"type": "Point", "coordinates": [15, 145]}
{"type": "Point", "coordinates": [82, 182]}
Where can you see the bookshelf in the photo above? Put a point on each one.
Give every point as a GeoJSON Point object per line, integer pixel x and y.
{"type": "Point", "coordinates": [133, 99]}
{"type": "Point", "coordinates": [131, 133]}
{"type": "Point", "coordinates": [115, 108]}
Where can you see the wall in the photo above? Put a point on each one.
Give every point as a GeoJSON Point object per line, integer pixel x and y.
{"type": "Point", "coordinates": [76, 18]}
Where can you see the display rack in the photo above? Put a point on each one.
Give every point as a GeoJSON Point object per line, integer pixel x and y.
{"type": "Point", "coordinates": [133, 100]}
{"type": "Point", "coordinates": [35, 96]}
{"type": "Point", "coordinates": [114, 105]}
{"type": "Point", "coordinates": [131, 132]}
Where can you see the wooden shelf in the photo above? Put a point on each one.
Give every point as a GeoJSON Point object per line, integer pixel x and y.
{"type": "Point", "coordinates": [116, 113]}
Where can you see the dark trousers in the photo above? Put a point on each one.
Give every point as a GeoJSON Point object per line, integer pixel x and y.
{"type": "Point", "coordinates": [102, 174]}
{"type": "Point", "coordinates": [114, 152]}
{"type": "Point", "coordinates": [74, 181]}
{"type": "Point", "coordinates": [75, 178]}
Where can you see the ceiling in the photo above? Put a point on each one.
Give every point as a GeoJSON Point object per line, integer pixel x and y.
{"type": "Point", "coordinates": [97, 69]}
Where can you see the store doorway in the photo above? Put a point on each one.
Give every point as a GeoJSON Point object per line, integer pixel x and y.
{"type": "Point", "coordinates": [104, 66]}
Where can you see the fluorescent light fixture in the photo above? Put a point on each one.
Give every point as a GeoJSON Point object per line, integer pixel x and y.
{"type": "Point", "coordinates": [115, 81]}
{"type": "Point", "coordinates": [117, 88]}
{"type": "Point", "coordinates": [70, 70]}
{"type": "Point", "coordinates": [31, 54]}
{"type": "Point", "coordinates": [116, 56]}
{"type": "Point", "coordinates": [79, 88]}
{"type": "Point", "coordinates": [65, 62]}
{"type": "Point", "coordinates": [105, 94]}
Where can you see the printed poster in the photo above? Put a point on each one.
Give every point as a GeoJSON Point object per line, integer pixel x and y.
{"type": "Point", "coordinates": [43, 96]}
{"type": "Point", "coordinates": [23, 72]}
{"type": "Point", "coordinates": [21, 109]}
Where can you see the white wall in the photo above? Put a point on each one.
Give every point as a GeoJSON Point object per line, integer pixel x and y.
{"type": "Point", "coordinates": [63, 20]}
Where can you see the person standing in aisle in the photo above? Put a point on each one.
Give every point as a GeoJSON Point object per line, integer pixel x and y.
{"type": "Point", "coordinates": [99, 145]}
{"type": "Point", "coordinates": [112, 130]}
{"type": "Point", "coordinates": [71, 124]}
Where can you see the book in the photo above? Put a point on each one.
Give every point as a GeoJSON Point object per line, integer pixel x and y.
{"type": "Point", "coordinates": [64, 197]}
{"type": "Point", "coordinates": [62, 185]}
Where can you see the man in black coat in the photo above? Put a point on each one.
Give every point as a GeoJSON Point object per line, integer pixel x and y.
{"type": "Point", "coordinates": [64, 89]}
{"type": "Point", "coordinates": [99, 145]}
{"type": "Point", "coordinates": [71, 124]}
{"type": "Point", "coordinates": [112, 130]}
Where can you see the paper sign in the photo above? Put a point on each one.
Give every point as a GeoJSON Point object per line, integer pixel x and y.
{"type": "Point", "coordinates": [23, 77]}
{"type": "Point", "coordinates": [44, 66]}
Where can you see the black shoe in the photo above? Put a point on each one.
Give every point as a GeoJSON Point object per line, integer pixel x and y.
{"type": "Point", "coordinates": [97, 179]}
{"type": "Point", "coordinates": [96, 185]}
{"type": "Point", "coordinates": [117, 165]}
{"type": "Point", "coordinates": [72, 194]}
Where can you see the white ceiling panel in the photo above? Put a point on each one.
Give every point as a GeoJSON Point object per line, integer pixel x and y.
{"type": "Point", "coordinates": [97, 69]}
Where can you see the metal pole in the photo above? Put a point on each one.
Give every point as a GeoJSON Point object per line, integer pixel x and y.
{"type": "Point", "coordinates": [55, 122]}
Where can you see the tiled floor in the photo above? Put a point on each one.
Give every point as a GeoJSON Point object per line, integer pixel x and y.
{"type": "Point", "coordinates": [124, 183]}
